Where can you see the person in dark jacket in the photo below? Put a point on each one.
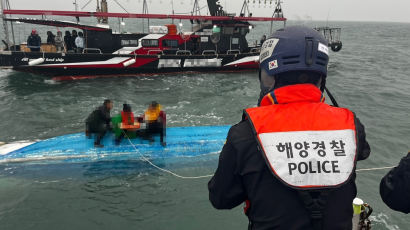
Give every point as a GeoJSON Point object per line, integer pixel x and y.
{"type": "Point", "coordinates": [34, 41]}
{"type": "Point", "coordinates": [50, 38]}
{"type": "Point", "coordinates": [74, 35]}
{"type": "Point", "coordinates": [98, 122]}
{"type": "Point", "coordinates": [247, 163]}
{"type": "Point", "coordinates": [263, 39]}
{"type": "Point", "coordinates": [395, 187]}
{"type": "Point", "coordinates": [67, 41]}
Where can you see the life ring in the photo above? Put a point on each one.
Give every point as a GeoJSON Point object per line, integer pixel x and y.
{"type": "Point", "coordinates": [336, 46]}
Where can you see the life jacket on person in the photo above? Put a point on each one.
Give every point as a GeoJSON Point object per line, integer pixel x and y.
{"type": "Point", "coordinates": [152, 113]}
{"type": "Point", "coordinates": [127, 118]}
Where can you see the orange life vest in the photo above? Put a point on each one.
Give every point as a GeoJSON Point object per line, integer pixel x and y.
{"type": "Point", "coordinates": [127, 118]}
{"type": "Point", "coordinates": [306, 143]}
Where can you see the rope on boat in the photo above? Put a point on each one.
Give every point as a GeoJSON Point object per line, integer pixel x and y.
{"type": "Point", "coordinates": [374, 169]}
{"type": "Point", "coordinates": [162, 169]}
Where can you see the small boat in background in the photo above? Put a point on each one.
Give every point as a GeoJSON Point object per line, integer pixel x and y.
{"type": "Point", "coordinates": [332, 35]}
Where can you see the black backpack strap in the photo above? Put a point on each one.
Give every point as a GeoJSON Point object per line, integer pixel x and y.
{"type": "Point", "coordinates": [315, 205]}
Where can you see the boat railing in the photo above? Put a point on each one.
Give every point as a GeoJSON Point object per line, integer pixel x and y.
{"type": "Point", "coordinates": [85, 50]}
{"type": "Point", "coordinates": [233, 52]}
{"type": "Point", "coordinates": [209, 52]}
{"type": "Point", "coordinates": [256, 50]}
{"type": "Point", "coordinates": [150, 52]}
{"type": "Point", "coordinates": [183, 52]}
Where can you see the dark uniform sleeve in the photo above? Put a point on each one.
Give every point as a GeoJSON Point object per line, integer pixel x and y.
{"type": "Point", "coordinates": [395, 187]}
{"type": "Point", "coordinates": [363, 146]}
{"type": "Point", "coordinates": [226, 190]}
{"type": "Point", "coordinates": [105, 115]}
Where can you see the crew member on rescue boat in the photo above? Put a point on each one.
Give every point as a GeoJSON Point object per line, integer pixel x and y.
{"type": "Point", "coordinates": [292, 159]}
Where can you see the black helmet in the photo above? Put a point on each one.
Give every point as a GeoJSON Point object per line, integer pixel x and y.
{"type": "Point", "coordinates": [290, 51]}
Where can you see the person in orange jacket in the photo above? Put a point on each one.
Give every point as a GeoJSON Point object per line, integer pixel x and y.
{"type": "Point", "coordinates": [155, 118]}
{"type": "Point", "coordinates": [127, 119]}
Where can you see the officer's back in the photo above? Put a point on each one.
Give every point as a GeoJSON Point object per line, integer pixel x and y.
{"type": "Point", "coordinates": [292, 159]}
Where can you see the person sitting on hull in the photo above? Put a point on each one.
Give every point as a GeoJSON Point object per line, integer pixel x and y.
{"type": "Point", "coordinates": [292, 159]}
{"type": "Point", "coordinates": [395, 186]}
{"type": "Point", "coordinates": [155, 120]}
{"type": "Point", "coordinates": [127, 122]}
{"type": "Point", "coordinates": [34, 41]}
{"type": "Point", "coordinates": [99, 122]}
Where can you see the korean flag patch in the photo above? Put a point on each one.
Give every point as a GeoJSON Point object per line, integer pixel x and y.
{"type": "Point", "coordinates": [273, 64]}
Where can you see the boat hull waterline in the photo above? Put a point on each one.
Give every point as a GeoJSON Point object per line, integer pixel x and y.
{"type": "Point", "coordinates": [182, 142]}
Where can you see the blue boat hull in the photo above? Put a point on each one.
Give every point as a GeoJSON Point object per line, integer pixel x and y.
{"type": "Point", "coordinates": [182, 143]}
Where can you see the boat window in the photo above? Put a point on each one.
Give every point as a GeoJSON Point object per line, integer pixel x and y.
{"type": "Point", "coordinates": [228, 30]}
{"type": "Point", "coordinates": [126, 42]}
{"type": "Point", "coordinates": [170, 43]}
{"type": "Point", "coordinates": [150, 42]}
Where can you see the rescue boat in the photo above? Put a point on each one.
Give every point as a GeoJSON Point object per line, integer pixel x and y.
{"type": "Point", "coordinates": [215, 42]}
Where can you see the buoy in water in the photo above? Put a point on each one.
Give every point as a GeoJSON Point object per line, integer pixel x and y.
{"type": "Point", "coordinates": [36, 61]}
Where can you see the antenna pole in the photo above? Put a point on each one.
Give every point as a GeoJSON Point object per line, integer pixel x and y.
{"type": "Point", "coordinates": [145, 11]}
{"type": "Point", "coordinates": [75, 5]}
{"type": "Point", "coordinates": [245, 8]}
{"type": "Point", "coordinates": [172, 5]}
{"type": "Point", "coordinates": [5, 4]}
{"type": "Point", "coordinates": [277, 13]}
{"type": "Point", "coordinates": [196, 10]}
{"type": "Point", "coordinates": [104, 9]}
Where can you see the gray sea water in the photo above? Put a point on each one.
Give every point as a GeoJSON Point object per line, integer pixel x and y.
{"type": "Point", "coordinates": [370, 76]}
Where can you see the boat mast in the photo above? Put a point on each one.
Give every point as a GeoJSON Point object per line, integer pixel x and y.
{"type": "Point", "coordinates": [104, 9]}
{"type": "Point", "coordinates": [5, 4]}
{"type": "Point", "coordinates": [196, 10]}
{"type": "Point", "coordinates": [245, 8]}
{"type": "Point", "coordinates": [98, 10]}
{"type": "Point", "coordinates": [278, 13]}
{"type": "Point", "coordinates": [5, 26]}
{"type": "Point", "coordinates": [144, 11]}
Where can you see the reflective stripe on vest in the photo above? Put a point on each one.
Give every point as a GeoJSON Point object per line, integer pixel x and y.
{"type": "Point", "coordinates": [306, 144]}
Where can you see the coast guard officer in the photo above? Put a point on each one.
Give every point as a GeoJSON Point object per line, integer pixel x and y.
{"type": "Point", "coordinates": [292, 159]}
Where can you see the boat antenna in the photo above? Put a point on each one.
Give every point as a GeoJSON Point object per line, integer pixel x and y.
{"type": "Point", "coordinates": [5, 4]}
{"type": "Point", "coordinates": [327, 19]}
{"type": "Point", "coordinates": [75, 5]}
{"type": "Point", "coordinates": [144, 11]}
{"type": "Point", "coordinates": [245, 9]}
{"type": "Point", "coordinates": [196, 10]}
{"type": "Point", "coordinates": [277, 13]}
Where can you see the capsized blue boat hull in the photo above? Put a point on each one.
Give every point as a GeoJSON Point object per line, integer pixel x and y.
{"type": "Point", "coordinates": [182, 142]}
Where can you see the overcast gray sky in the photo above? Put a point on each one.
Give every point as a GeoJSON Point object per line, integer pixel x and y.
{"type": "Point", "coordinates": [337, 10]}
